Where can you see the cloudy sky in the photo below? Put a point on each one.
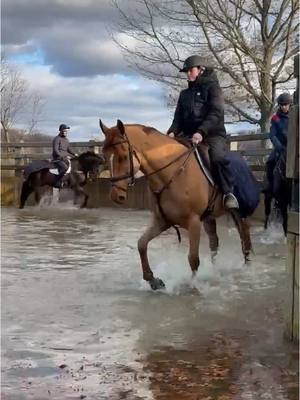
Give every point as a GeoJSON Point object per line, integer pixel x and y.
{"type": "Point", "coordinates": [64, 50]}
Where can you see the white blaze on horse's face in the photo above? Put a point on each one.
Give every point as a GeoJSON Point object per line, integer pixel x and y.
{"type": "Point", "coordinates": [123, 164]}
{"type": "Point", "coordinates": [136, 164]}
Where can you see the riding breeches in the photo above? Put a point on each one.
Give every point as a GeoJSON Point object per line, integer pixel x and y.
{"type": "Point", "coordinates": [220, 163]}
{"type": "Point", "coordinates": [62, 167]}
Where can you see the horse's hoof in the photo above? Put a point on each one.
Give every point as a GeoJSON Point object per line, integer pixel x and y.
{"type": "Point", "coordinates": [247, 259]}
{"type": "Point", "coordinates": [156, 284]}
{"type": "Point", "coordinates": [213, 256]}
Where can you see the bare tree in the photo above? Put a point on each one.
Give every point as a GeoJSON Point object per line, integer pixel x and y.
{"type": "Point", "coordinates": [17, 101]}
{"type": "Point", "coordinates": [250, 42]}
{"type": "Point", "coordinates": [36, 111]}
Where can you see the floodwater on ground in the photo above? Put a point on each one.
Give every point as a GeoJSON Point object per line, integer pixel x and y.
{"type": "Point", "coordinates": [78, 321]}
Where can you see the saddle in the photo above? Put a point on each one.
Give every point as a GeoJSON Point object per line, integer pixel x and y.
{"type": "Point", "coordinates": [202, 157]}
{"type": "Point", "coordinates": [39, 165]}
{"type": "Point", "coordinates": [245, 189]}
{"type": "Point", "coordinates": [54, 170]}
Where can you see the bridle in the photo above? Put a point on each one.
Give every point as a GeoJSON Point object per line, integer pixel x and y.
{"type": "Point", "coordinates": [130, 175]}
{"type": "Point", "coordinates": [132, 153]}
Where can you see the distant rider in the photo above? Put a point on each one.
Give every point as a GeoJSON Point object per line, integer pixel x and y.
{"type": "Point", "coordinates": [278, 135]}
{"type": "Point", "coordinates": [61, 153]}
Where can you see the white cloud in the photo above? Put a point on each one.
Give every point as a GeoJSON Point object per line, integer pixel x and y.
{"type": "Point", "coordinates": [80, 102]}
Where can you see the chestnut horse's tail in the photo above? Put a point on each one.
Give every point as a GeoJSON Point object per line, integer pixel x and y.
{"type": "Point", "coordinates": [27, 189]}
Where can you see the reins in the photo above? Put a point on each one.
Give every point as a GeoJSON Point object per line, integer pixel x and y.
{"type": "Point", "coordinates": [130, 175]}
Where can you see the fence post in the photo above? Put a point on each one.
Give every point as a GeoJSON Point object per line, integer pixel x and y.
{"type": "Point", "coordinates": [292, 172]}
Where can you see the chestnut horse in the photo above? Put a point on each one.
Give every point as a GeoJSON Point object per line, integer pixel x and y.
{"type": "Point", "coordinates": [184, 195]}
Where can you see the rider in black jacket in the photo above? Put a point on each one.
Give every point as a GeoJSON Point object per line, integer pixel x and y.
{"type": "Point", "coordinates": [199, 116]}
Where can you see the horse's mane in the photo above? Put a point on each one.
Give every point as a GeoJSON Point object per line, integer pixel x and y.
{"type": "Point", "coordinates": [149, 130]}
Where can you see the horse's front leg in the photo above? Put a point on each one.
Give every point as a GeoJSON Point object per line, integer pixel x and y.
{"type": "Point", "coordinates": [157, 226]}
{"type": "Point", "coordinates": [78, 193]}
{"type": "Point", "coordinates": [283, 209]}
{"type": "Point", "coordinates": [76, 181]}
{"type": "Point", "coordinates": [267, 203]}
{"type": "Point", "coordinates": [27, 189]}
{"type": "Point", "coordinates": [37, 196]}
{"type": "Point", "coordinates": [194, 230]}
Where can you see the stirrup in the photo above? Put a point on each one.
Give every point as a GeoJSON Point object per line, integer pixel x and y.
{"type": "Point", "coordinates": [230, 201]}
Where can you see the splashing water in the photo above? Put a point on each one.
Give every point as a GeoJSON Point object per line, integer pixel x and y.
{"type": "Point", "coordinates": [74, 296]}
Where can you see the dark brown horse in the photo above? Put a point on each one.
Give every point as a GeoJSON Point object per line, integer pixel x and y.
{"type": "Point", "coordinates": [281, 192]}
{"type": "Point", "coordinates": [37, 174]}
{"type": "Point", "coordinates": [183, 192]}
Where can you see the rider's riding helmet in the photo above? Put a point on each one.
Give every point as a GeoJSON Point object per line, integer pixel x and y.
{"type": "Point", "coordinates": [284, 98]}
{"type": "Point", "coordinates": [62, 127]}
{"type": "Point", "coordinates": [193, 61]}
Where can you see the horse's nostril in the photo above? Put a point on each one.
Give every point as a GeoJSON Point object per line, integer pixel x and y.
{"type": "Point", "coordinates": [122, 197]}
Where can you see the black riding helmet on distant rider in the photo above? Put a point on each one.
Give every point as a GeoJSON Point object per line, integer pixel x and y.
{"type": "Point", "coordinates": [284, 98]}
{"type": "Point", "coordinates": [62, 127]}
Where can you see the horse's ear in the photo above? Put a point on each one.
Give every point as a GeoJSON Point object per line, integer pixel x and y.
{"type": "Point", "coordinates": [121, 127]}
{"type": "Point", "coordinates": [103, 127]}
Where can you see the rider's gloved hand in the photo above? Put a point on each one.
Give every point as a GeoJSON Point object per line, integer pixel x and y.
{"type": "Point", "coordinates": [197, 138]}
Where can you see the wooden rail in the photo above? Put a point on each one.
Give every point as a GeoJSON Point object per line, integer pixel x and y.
{"type": "Point", "coordinates": [90, 143]}
{"type": "Point", "coordinates": [19, 159]}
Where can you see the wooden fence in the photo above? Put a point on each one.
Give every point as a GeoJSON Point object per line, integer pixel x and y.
{"type": "Point", "coordinates": [15, 156]}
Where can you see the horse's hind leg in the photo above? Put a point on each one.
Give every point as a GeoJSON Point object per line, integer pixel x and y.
{"type": "Point", "coordinates": [284, 214]}
{"type": "Point", "coordinates": [84, 204]}
{"type": "Point", "coordinates": [244, 232]}
{"type": "Point", "coordinates": [210, 227]}
{"type": "Point", "coordinates": [157, 226]}
{"type": "Point", "coordinates": [268, 202]}
{"type": "Point", "coordinates": [194, 229]}
{"type": "Point", "coordinates": [37, 196]}
{"type": "Point", "coordinates": [25, 192]}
